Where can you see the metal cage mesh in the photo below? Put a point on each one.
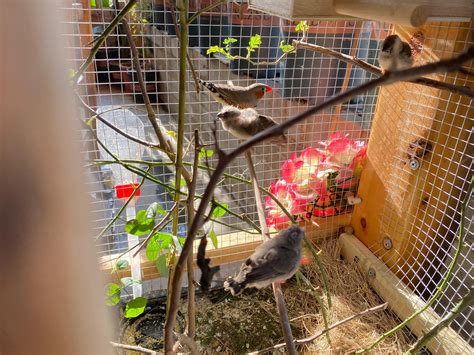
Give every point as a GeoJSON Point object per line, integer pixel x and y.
{"type": "Point", "coordinates": [303, 79]}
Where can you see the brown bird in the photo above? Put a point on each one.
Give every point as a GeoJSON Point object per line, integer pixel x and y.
{"type": "Point", "coordinates": [395, 54]}
{"type": "Point", "coordinates": [238, 96]}
{"type": "Point", "coordinates": [246, 123]}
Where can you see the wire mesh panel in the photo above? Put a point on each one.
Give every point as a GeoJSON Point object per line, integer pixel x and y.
{"type": "Point", "coordinates": [420, 209]}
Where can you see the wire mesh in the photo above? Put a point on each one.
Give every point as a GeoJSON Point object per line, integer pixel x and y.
{"type": "Point", "coordinates": [299, 81]}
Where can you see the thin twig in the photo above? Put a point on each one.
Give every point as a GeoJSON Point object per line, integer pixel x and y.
{"type": "Point", "coordinates": [134, 348]}
{"type": "Point", "coordinates": [463, 90]}
{"type": "Point", "coordinates": [313, 337]}
{"type": "Point", "coordinates": [188, 58]}
{"type": "Point", "coordinates": [156, 228]}
{"type": "Point", "coordinates": [444, 281]}
{"type": "Point", "coordinates": [191, 326]}
{"type": "Point", "coordinates": [205, 9]}
{"type": "Point", "coordinates": [277, 292]}
{"type": "Point", "coordinates": [465, 302]}
{"type": "Point", "coordinates": [101, 39]}
{"type": "Point", "coordinates": [225, 160]}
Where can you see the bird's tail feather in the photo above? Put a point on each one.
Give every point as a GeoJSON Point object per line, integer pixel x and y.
{"type": "Point", "coordinates": [233, 286]}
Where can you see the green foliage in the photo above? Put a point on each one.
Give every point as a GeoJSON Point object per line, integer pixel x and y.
{"type": "Point", "coordinates": [112, 293]}
{"type": "Point", "coordinates": [171, 133]}
{"type": "Point", "coordinates": [286, 48]}
{"type": "Point", "coordinates": [220, 211]}
{"type": "Point", "coordinates": [254, 42]}
{"type": "Point", "coordinates": [161, 265]}
{"type": "Point", "coordinates": [126, 281]}
{"type": "Point", "coordinates": [213, 236]}
{"type": "Point", "coordinates": [135, 307]}
{"type": "Point", "coordinates": [205, 153]}
{"type": "Point", "coordinates": [141, 225]}
{"type": "Point", "coordinates": [218, 49]}
{"type": "Point", "coordinates": [153, 209]}
{"type": "Point", "coordinates": [228, 41]}
{"type": "Point", "coordinates": [105, 3]}
{"type": "Point", "coordinates": [157, 243]}
{"type": "Point", "coordinates": [302, 26]}
{"type": "Point", "coordinates": [119, 265]}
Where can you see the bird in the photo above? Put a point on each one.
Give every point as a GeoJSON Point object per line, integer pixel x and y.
{"type": "Point", "coordinates": [246, 123]}
{"type": "Point", "coordinates": [207, 272]}
{"type": "Point", "coordinates": [238, 96]}
{"type": "Point", "coordinates": [395, 54]}
{"type": "Point", "coordinates": [277, 259]}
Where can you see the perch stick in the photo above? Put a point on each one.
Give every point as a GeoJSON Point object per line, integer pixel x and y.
{"type": "Point", "coordinates": [188, 58]}
{"type": "Point", "coordinates": [313, 337]}
{"type": "Point", "coordinates": [277, 292]}
{"type": "Point", "coordinates": [156, 228]}
{"type": "Point", "coordinates": [134, 348]}
{"type": "Point", "coordinates": [444, 281]}
{"type": "Point", "coordinates": [101, 39]}
{"type": "Point", "coordinates": [191, 329]}
{"type": "Point", "coordinates": [465, 302]}
{"type": "Point", "coordinates": [226, 158]}
{"type": "Point", "coordinates": [173, 293]}
{"type": "Point", "coordinates": [463, 90]}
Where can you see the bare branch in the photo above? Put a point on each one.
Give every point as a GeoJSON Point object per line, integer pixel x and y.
{"type": "Point", "coordinates": [324, 331]}
{"type": "Point", "coordinates": [134, 348]}
{"type": "Point", "coordinates": [224, 161]}
{"type": "Point", "coordinates": [463, 90]}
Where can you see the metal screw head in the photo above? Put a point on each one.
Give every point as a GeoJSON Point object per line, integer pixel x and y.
{"type": "Point", "coordinates": [387, 243]}
{"type": "Point", "coordinates": [371, 273]}
{"type": "Point", "coordinates": [414, 164]}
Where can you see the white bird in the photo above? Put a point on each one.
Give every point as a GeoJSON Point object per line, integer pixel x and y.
{"type": "Point", "coordinates": [246, 123]}
{"type": "Point", "coordinates": [395, 54]}
{"type": "Point", "coordinates": [238, 96]}
{"type": "Point", "coordinates": [277, 259]}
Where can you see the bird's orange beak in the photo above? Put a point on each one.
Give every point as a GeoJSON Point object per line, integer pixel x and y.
{"type": "Point", "coordinates": [268, 88]}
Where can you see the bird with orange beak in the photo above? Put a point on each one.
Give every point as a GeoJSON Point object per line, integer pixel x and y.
{"type": "Point", "coordinates": [237, 96]}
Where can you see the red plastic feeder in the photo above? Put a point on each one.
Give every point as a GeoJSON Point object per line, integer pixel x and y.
{"type": "Point", "coordinates": [124, 191]}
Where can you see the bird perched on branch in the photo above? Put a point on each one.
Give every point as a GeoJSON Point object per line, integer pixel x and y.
{"type": "Point", "coordinates": [246, 123]}
{"type": "Point", "coordinates": [238, 96]}
{"type": "Point", "coordinates": [276, 259]}
{"type": "Point", "coordinates": [395, 54]}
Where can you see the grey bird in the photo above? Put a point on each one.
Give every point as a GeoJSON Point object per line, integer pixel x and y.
{"type": "Point", "coordinates": [277, 259]}
{"type": "Point", "coordinates": [395, 54]}
{"type": "Point", "coordinates": [238, 96]}
{"type": "Point", "coordinates": [246, 123]}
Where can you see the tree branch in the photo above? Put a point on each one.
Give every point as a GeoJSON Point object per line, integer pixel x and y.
{"type": "Point", "coordinates": [324, 331]}
{"type": "Point", "coordinates": [134, 348]}
{"type": "Point", "coordinates": [463, 90]}
{"type": "Point", "coordinates": [224, 161]}
{"type": "Point", "coordinates": [465, 302]}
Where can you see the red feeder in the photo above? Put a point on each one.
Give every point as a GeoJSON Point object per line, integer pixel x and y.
{"type": "Point", "coordinates": [126, 190]}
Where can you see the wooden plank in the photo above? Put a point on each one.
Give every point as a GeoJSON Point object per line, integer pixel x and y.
{"type": "Point", "coordinates": [400, 298]}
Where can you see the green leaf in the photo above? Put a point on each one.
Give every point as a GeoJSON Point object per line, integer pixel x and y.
{"type": "Point", "coordinates": [302, 26]}
{"type": "Point", "coordinates": [215, 49]}
{"type": "Point", "coordinates": [119, 265]}
{"type": "Point", "coordinates": [171, 133]}
{"type": "Point", "coordinates": [220, 211]}
{"type": "Point", "coordinates": [91, 120]}
{"type": "Point", "coordinates": [141, 224]}
{"type": "Point", "coordinates": [228, 41]}
{"type": "Point", "coordinates": [213, 237]}
{"type": "Point", "coordinates": [153, 209]}
{"type": "Point", "coordinates": [93, 3]}
{"type": "Point", "coordinates": [112, 292]}
{"type": "Point", "coordinates": [161, 265]}
{"type": "Point", "coordinates": [203, 153]}
{"type": "Point", "coordinates": [135, 307]}
{"type": "Point", "coordinates": [126, 281]}
{"type": "Point", "coordinates": [254, 42]}
{"type": "Point", "coordinates": [286, 48]}
{"type": "Point", "coordinates": [153, 248]}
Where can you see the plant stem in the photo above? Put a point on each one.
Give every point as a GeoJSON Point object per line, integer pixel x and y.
{"type": "Point", "coordinates": [205, 9]}
{"type": "Point", "coordinates": [465, 302]}
{"type": "Point", "coordinates": [169, 323]}
{"type": "Point", "coordinates": [101, 39]}
{"type": "Point", "coordinates": [443, 283]}
{"type": "Point", "coordinates": [139, 349]}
